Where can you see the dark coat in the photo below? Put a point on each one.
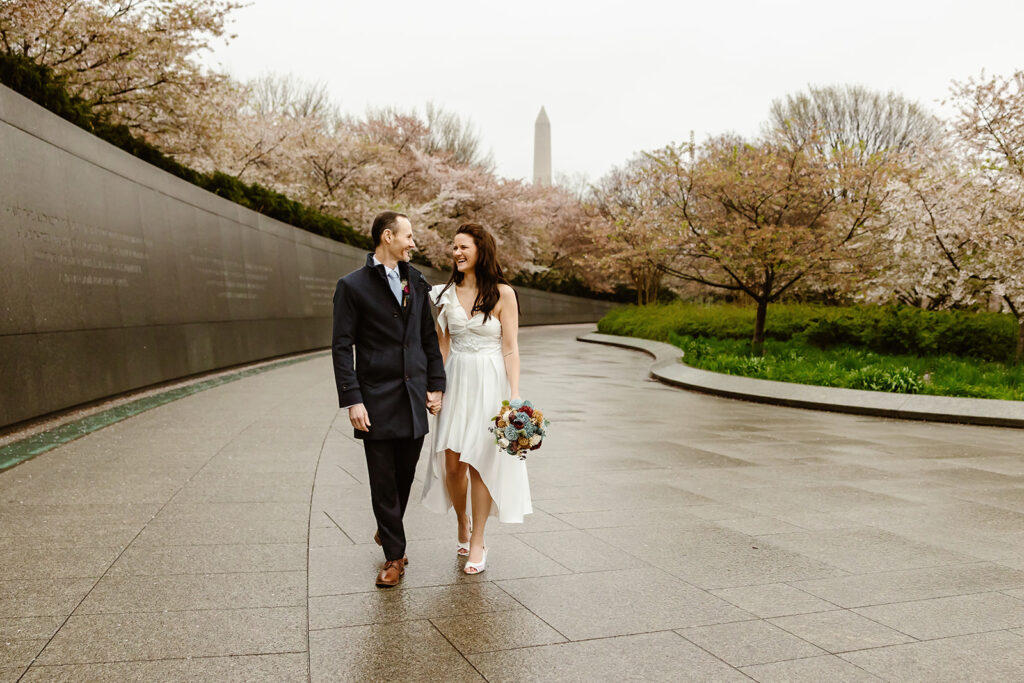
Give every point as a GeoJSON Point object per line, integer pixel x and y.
{"type": "Point", "coordinates": [397, 358]}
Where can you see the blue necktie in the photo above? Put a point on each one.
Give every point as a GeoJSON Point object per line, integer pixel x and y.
{"type": "Point", "coordinates": [396, 285]}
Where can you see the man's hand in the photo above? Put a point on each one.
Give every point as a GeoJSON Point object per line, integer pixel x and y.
{"type": "Point", "coordinates": [359, 418]}
{"type": "Point", "coordinates": [434, 401]}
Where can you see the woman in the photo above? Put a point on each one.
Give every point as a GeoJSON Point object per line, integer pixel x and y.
{"type": "Point", "coordinates": [478, 325]}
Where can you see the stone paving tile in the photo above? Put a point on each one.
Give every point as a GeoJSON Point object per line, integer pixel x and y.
{"type": "Point", "coordinates": [168, 635]}
{"type": "Point", "coordinates": [11, 674]}
{"type": "Point", "coordinates": [773, 600]}
{"type": "Point", "coordinates": [19, 653]}
{"type": "Point", "coordinates": [758, 526]}
{"type": "Point", "coordinates": [496, 631]}
{"type": "Point", "coordinates": [67, 541]}
{"type": "Point", "coordinates": [952, 616]}
{"type": "Point", "coordinates": [57, 563]}
{"type": "Point", "coordinates": [623, 497]}
{"type": "Point", "coordinates": [717, 558]}
{"type": "Point", "coordinates": [209, 559]}
{"type": "Point", "coordinates": [42, 597]}
{"type": "Point", "coordinates": [997, 657]}
{"type": "Point", "coordinates": [913, 584]}
{"type": "Point", "coordinates": [679, 517]}
{"type": "Point", "coordinates": [266, 491]}
{"type": "Point", "coordinates": [661, 656]}
{"type": "Point", "coordinates": [409, 650]}
{"type": "Point", "coordinates": [213, 512]}
{"type": "Point", "coordinates": [120, 594]}
{"type": "Point", "coordinates": [819, 521]}
{"type": "Point", "coordinates": [538, 522]}
{"type": "Point", "coordinates": [602, 604]}
{"type": "Point", "coordinates": [840, 631]}
{"type": "Point", "coordinates": [222, 532]}
{"type": "Point", "coordinates": [579, 551]}
{"type": "Point", "coordinates": [811, 670]}
{"type": "Point", "coordinates": [865, 550]}
{"type": "Point", "coordinates": [352, 569]}
{"type": "Point", "coordinates": [380, 607]}
{"type": "Point", "coordinates": [234, 669]}
{"type": "Point", "coordinates": [28, 628]}
{"type": "Point", "coordinates": [328, 536]}
{"type": "Point", "coordinates": [743, 643]}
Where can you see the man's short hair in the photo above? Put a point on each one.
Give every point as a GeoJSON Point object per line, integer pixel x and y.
{"type": "Point", "coordinates": [384, 221]}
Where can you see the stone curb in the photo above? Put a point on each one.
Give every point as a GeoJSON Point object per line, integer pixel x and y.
{"type": "Point", "coordinates": [668, 369]}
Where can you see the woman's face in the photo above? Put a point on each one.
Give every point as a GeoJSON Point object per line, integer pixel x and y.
{"type": "Point", "coordinates": [464, 253]}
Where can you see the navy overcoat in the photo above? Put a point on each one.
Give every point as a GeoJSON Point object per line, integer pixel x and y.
{"type": "Point", "coordinates": [397, 358]}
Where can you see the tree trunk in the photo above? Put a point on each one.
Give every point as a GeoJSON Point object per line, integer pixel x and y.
{"type": "Point", "coordinates": [1019, 355]}
{"type": "Point", "coordinates": [757, 345]}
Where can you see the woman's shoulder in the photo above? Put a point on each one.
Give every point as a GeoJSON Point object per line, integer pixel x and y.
{"type": "Point", "coordinates": [505, 291]}
{"type": "Point", "coordinates": [436, 291]}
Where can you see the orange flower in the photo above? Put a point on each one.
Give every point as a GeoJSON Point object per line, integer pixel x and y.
{"type": "Point", "coordinates": [523, 441]}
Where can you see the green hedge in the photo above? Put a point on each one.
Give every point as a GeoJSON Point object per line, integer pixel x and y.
{"type": "Point", "coordinates": [891, 329]}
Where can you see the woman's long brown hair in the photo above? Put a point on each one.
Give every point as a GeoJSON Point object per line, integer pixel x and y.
{"type": "Point", "coordinates": [488, 271]}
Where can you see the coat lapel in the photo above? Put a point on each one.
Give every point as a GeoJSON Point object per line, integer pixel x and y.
{"type": "Point", "coordinates": [380, 274]}
{"type": "Point", "coordinates": [410, 297]}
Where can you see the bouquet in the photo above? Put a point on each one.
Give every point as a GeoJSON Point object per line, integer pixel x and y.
{"type": "Point", "coordinates": [519, 427]}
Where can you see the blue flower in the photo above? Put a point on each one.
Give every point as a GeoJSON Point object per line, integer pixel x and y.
{"type": "Point", "coordinates": [511, 433]}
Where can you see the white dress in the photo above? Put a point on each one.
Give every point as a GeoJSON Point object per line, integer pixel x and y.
{"type": "Point", "coordinates": [476, 385]}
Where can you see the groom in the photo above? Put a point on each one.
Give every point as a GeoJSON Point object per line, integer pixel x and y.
{"type": "Point", "coordinates": [383, 309]}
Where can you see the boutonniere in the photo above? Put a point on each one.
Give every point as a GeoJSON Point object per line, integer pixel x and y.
{"type": "Point", "coordinates": [405, 293]}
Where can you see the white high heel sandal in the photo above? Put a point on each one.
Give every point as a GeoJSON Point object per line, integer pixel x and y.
{"type": "Point", "coordinates": [463, 549]}
{"type": "Point", "coordinates": [476, 567]}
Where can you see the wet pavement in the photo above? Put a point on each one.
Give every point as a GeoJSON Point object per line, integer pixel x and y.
{"type": "Point", "coordinates": [677, 536]}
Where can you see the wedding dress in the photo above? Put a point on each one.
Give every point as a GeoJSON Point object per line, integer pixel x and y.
{"type": "Point", "coordinates": [476, 385]}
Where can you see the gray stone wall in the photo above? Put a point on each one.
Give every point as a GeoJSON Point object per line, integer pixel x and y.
{"type": "Point", "coordinates": [115, 275]}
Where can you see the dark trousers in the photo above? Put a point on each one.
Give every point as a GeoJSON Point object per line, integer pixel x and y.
{"type": "Point", "coordinates": [391, 464]}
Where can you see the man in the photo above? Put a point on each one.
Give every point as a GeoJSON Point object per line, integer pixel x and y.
{"type": "Point", "coordinates": [383, 309]}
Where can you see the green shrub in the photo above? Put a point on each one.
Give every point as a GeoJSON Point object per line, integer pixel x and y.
{"type": "Point", "coordinates": [900, 380]}
{"type": "Point", "coordinates": [882, 329]}
{"type": "Point", "coordinates": [844, 366]}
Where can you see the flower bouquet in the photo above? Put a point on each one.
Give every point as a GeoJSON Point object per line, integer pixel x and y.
{"type": "Point", "coordinates": [519, 427]}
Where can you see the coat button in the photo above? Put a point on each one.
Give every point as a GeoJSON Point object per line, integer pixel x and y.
{"type": "Point", "coordinates": [407, 378]}
{"type": "Point", "coordinates": [394, 315]}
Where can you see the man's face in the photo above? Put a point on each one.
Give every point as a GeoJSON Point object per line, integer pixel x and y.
{"type": "Point", "coordinates": [401, 244]}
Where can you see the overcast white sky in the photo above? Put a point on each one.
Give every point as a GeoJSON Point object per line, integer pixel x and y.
{"type": "Point", "coordinates": [618, 77]}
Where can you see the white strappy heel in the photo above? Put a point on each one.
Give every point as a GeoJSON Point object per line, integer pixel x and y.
{"type": "Point", "coordinates": [463, 549]}
{"type": "Point", "coordinates": [476, 567]}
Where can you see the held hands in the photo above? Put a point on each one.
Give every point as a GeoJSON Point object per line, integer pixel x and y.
{"type": "Point", "coordinates": [359, 418]}
{"type": "Point", "coordinates": [434, 399]}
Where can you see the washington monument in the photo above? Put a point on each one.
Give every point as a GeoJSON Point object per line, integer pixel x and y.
{"type": "Point", "coordinates": [542, 149]}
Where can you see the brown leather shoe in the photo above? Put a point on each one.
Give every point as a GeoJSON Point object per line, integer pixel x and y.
{"type": "Point", "coordinates": [376, 539]}
{"type": "Point", "coordinates": [391, 573]}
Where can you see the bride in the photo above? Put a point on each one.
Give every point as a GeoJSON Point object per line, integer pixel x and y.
{"type": "Point", "coordinates": [478, 324]}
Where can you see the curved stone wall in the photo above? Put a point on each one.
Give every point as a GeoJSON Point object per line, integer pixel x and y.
{"type": "Point", "coordinates": [115, 275]}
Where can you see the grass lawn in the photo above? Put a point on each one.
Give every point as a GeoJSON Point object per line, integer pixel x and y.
{"type": "Point", "coordinates": [793, 361]}
{"type": "Point", "coordinates": [895, 349]}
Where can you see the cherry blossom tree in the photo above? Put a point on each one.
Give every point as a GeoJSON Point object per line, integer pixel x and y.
{"type": "Point", "coordinates": [990, 125]}
{"type": "Point", "coordinates": [135, 59]}
{"type": "Point", "coordinates": [759, 217]}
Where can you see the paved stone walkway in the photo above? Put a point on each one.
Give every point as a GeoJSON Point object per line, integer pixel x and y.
{"type": "Point", "coordinates": [227, 536]}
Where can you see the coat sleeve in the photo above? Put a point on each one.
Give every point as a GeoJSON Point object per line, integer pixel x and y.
{"type": "Point", "coordinates": [346, 321]}
{"type": "Point", "coordinates": [435, 363]}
